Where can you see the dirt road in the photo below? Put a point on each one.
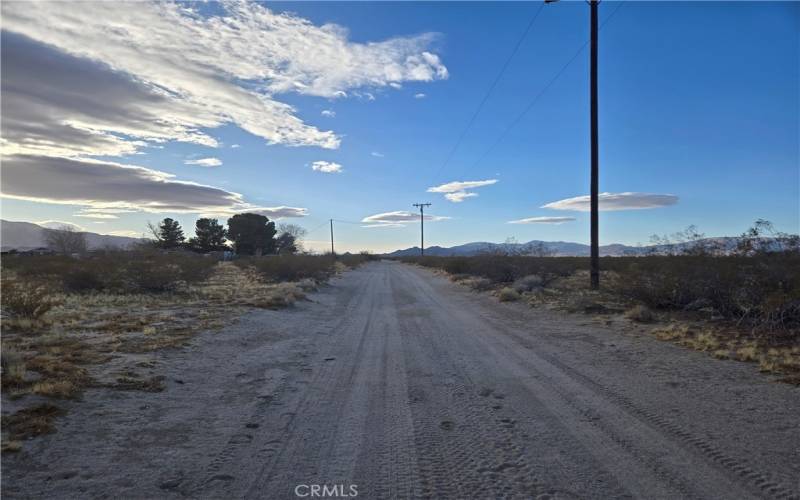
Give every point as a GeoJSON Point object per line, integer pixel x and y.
{"type": "Point", "coordinates": [394, 382]}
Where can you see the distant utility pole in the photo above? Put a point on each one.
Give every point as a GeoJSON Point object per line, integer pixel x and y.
{"type": "Point", "coordinates": [422, 226]}
{"type": "Point", "coordinates": [333, 252]}
{"type": "Point", "coordinates": [594, 266]}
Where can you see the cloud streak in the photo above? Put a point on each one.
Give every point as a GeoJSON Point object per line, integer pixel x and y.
{"type": "Point", "coordinates": [107, 187]}
{"type": "Point", "coordinates": [542, 220]}
{"type": "Point", "coordinates": [205, 162]}
{"type": "Point", "coordinates": [609, 202]}
{"type": "Point", "coordinates": [458, 191]}
{"type": "Point", "coordinates": [397, 219]}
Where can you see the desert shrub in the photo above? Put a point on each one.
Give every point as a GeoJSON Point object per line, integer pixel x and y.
{"type": "Point", "coordinates": [278, 268]}
{"type": "Point", "coordinates": [640, 313]}
{"type": "Point", "coordinates": [25, 299]}
{"type": "Point", "coordinates": [508, 295]}
{"type": "Point", "coordinates": [139, 270]}
{"type": "Point", "coordinates": [528, 283]}
{"type": "Point", "coordinates": [13, 365]}
{"type": "Point", "coordinates": [82, 280]}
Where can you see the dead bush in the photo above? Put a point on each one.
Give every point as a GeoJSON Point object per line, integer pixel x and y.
{"type": "Point", "coordinates": [25, 300]}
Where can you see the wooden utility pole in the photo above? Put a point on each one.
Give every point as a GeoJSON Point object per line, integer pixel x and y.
{"type": "Point", "coordinates": [333, 252]}
{"type": "Point", "coordinates": [595, 231]}
{"type": "Point", "coordinates": [422, 226]}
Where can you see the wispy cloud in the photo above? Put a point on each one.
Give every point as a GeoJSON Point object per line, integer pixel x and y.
{"type": "Point", "coordinates": [377, 154]}
{"type": "Point", "coordinates": [235, 146]}
{"type": "Point", "coordinates": [542, 220]}
{"type": "Point", "coordinates": [329, 113]}
{"type": "Point", "coordinates": [458, 191]}
{"type": "Point", "coordinates": [419, 96]}
{"type": "Point", "coordinates": [225, 68]}
{"type": "Point", "coordinates": [326, 167]}
{"type": "Point", "coordinates": [96, 215]}
{"type": "Point", "coordinates": [615, 201]}
{"type": "Point", "coordinates": [397, 219]}
{"type": "Point", "coordinates": [205, 162]}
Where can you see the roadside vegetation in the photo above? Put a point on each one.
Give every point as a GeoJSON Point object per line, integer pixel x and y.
{"type": "Point", "coordinates": [738, 303]}
{"type": "Point", "coordinates": [76, 319]}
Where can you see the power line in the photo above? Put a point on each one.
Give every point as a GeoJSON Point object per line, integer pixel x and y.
{"type": "Point", "coordinates": [422, 226]}
{"type": "Point", "coordinates": [533, 102]}
{"type": "Point", "coordinates": [488, 92]}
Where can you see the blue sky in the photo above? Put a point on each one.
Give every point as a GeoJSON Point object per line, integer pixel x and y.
{"type": "Point", "coordinates": [697, 100]}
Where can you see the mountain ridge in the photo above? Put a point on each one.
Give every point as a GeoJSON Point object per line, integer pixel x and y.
{"type": "Point", "coordinates": [561, 248]}
{"type": "Point", "coordinates": [21, 236]}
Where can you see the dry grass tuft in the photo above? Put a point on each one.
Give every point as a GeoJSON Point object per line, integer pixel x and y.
{"type": "Point", "coordinates": [132, 383]}
{"type": "Point", "coordinates": [508, 295]}
{"type": "Point", "coordinates": [747, 353]}
{"type": "Point", "coordinates": [13, 365]}
{"type": "Point", "coordinates": [673, 331]}
{"type": "Point", "coordinates": [640, 314]}
{"type": "Point", "coordinates": [32, 421]}
{"type": "Point", "coordinates": [63, 389]}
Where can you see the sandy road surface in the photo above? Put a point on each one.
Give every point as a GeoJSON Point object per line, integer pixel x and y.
{"type": "Point", "coordinates": [405, 385]}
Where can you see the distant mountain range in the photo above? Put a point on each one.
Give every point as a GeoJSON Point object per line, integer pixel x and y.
{"type": "Point", "coordinates": [561, 248]}
{"type": "Point", "coordinates": [27, 236]}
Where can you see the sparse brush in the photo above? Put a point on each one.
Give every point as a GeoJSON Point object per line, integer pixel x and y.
{"type": "Point", "coordinates": [706, 341]}
{"type": "Point", "coordinates": [508, 295]}
{"type": "Point", "coordinates": [33, 421]}
{"type": "Point", "coordinates": [478, 284]}
{"type": "Point", "coordinates": [640, 314]}
{"type": "Point", "coordinates": [25, 300]}
{"type": "Point", "coordinates": [722, 354]}
{"type": "Point", "coordinates": [13, 365]}
{"type": "Point", "coordinates": [747, 353]}
{"type": "Point", "coordinates": [56, 389]}
{"type": "Point", "coordinates": [528, 283]}
{"type": "Point", "coordinates": [672, 332]}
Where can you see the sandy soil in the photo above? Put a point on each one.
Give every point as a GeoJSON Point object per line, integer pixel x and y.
{"type": "Point", "coordinates": [400, 383]}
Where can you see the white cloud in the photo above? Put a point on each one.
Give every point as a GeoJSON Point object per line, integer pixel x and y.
{"type": "Point", "coordinates": [96, 215]}
{"type": "Point", "coordinates": [459, 196]}
{"type": "Point", "coordinates": [235, 146]}
{"type": "Point", "coordinates": [457, 191]}
{"type": "Point", "coordinates": [542, 220]}
{"type": "Point", "coordinates": [205, 162]}
{"type": "Point", "coordinates": [226, 68]}
{"type": "Point", "coordinates": [615, 201]}
{"type": "Point", "coordinates": [377, 154]}
{"type": "Point", "coordinates": [397, 218]}
{"type": "Point", "coordinates": [327, 167]}
{"type": "Point", "coordinates": [329, 113]}
{"type": "Point", "coordinates": [419, 96]}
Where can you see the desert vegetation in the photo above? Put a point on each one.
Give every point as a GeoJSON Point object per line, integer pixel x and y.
{"type": "Point", "coordinates": [69, 314]}
{"type": "Point", "coordinates": [741, 303]}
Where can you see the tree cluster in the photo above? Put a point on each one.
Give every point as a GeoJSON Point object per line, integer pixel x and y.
{"type": "Point", "coordinates": [246, 234]}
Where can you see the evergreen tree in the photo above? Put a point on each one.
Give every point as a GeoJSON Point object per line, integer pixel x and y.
{"type": "Point", "coordinates": [252, 234]}
{"type": "Point", "coordinates": [209, 236]}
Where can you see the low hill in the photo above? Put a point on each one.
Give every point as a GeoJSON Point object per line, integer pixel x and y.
{"type": "Point", "coordinates": [22, 236]}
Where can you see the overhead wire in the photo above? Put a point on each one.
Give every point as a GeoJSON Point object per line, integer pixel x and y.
{"type": "Point", "coordinates": [488, 92]}
{"type": "Point", "coordinates": [533, 101]}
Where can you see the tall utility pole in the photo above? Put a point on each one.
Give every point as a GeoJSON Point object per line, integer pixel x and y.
{"type": "Point", "coordinates": [594, 265]}
{"type": "Point", "coordinates": [595, 251]}
{"type": "Point", "coordinates": [422, 226]}
{"type": "Point", "coordinates": [333, 252]}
